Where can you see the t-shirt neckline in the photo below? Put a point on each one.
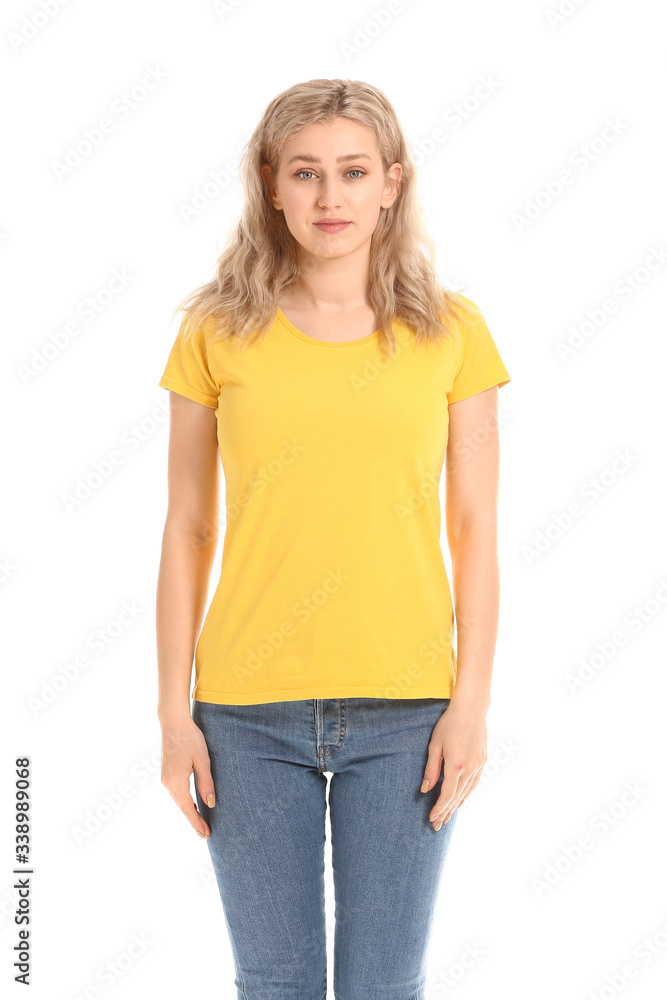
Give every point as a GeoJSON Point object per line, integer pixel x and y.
{"type": "Point", "coordinates": [306, 339]}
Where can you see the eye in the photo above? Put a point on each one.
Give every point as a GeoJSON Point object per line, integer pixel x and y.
{"type": "Point", "coordinates": [353, 170]}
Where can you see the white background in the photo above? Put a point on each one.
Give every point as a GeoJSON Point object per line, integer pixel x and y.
{"type": "Point", "coordinates": [543, 922]}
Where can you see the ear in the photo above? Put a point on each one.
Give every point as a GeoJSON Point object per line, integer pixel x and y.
{"type": "Point", "coordinates": [270, 188]}
{"type": "Point", "coordinates": [391, 187]}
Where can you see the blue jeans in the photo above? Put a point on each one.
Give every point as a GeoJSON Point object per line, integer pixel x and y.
{"type": "Point", "coordinates": [267, 840]}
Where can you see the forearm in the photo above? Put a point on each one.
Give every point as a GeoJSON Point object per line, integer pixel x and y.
{"type": "Point", "coordinates": [476, 593]}
{"type": "Point", "coordinates": [182, 591]}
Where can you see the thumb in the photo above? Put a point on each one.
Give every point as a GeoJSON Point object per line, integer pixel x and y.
{"type": "Point", "coordinates": [202, 766]}
{"type": "Point", "coordinates": [432, 769]}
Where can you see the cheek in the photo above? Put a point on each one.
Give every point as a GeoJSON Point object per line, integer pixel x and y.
{"type": "Point", "coordinates": [297, 207]}
{"type": "Point", "coordinates": [366, 205]}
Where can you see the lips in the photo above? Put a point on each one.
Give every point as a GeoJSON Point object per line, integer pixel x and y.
{"type": "Point", "coordinates": [332, 225]}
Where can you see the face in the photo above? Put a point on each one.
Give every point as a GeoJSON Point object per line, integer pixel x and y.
{"type": "Point", "coordinates": [333, 171]}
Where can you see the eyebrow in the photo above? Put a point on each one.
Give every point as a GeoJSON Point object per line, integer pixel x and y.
{"type": "Point", "coordinates": [307, 158]}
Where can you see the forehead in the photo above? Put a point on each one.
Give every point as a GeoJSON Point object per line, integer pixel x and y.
{"type": "Point", "coordinates": [332, 141]}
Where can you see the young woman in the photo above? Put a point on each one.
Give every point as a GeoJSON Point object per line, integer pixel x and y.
{"type": "Point", "coordinates": [333, 374]}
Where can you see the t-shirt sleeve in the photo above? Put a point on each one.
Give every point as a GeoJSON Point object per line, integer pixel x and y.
{"type": "Point", "coordinates": [188, 370]}
{"type": "Point", "coordinates": [479, 365]}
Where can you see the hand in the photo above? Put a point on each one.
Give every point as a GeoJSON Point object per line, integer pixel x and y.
{"type": "Point", "coordinates": [458, 738]}
{"type": "Point", "coordinates": [184, 750]}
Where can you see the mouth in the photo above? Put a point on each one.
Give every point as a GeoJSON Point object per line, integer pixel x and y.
{"type": "Point", "coordinates": [332, 225]}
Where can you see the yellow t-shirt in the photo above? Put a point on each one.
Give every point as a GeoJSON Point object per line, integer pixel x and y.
{"type": "Point", "coordinates": [333, 582]}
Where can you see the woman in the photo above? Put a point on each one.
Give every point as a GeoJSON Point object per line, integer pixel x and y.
{"type": "Point", "coordinates": [333, 374]}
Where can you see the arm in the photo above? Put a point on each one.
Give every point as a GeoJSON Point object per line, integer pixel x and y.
{"type": "Point", "coordinates": [472, 469]}
{"type": "Point", "coordinates": [189, 544]}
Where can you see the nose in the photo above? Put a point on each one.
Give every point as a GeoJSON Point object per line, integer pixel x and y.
{"type": "Point", "coordinates": [329, 195]}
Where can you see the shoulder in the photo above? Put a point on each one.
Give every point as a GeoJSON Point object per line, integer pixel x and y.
{"type": "Point", "coordinates": [466, 311]}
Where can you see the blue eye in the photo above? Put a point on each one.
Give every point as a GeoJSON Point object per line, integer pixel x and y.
{"type": "Point", "coordinates": [353, 170]}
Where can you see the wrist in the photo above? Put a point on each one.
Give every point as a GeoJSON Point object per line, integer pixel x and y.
{"type": "Point", "coordinates": [473, 701]}
{"type": "Point", "coordinates": [174, 716]}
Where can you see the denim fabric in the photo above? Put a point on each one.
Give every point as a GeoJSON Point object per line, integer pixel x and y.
{"type": "Point", "coordinates": [267, 840]}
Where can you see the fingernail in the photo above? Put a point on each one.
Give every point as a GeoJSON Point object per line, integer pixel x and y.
{"type": "Point", "coordinates": [425, 784]}
{"type": "Point", "coordinates": [210, 799]}
{"type": "Point", "coordinates": [203, 835]}
{"type": "Point", "coordinates": [438, 825]}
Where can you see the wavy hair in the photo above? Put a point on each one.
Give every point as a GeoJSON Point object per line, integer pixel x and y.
{"type": "Point", "coordinates": [260, 258]}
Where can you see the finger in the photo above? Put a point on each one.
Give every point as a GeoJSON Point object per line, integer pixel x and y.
{"type": "Point", "coordinates": [455, 787]}
{"type": "Point", "coordinates": [470, 788]}
{"type": "Point", "coordinates": [447, 795]}
{"type": "Point", "coordinates": [467, 780]}
{"type": "Point", "coordinates": [464, 792]}
{"type": "Point", "coordinates": [202, 766]}
{"type": "Point", "coordinates": [179, 789]}
{"type": "Point", "coordinates": [433, 767]}
{"type": "Point", "coordinates": [448, 813]}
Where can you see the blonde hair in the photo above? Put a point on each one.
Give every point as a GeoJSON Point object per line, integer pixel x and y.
{"type": "Point", "coordinates": [260, 257]}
